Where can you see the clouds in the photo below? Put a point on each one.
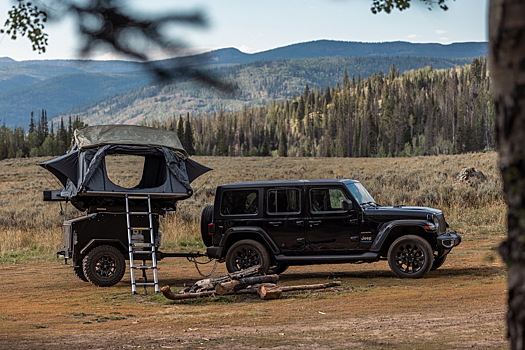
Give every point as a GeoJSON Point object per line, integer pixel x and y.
{"type": "Point", "coordinates": [436, 35]}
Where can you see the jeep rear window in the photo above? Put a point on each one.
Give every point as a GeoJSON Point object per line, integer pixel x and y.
{"type": "Point", "coordinates": [284, 201]}
{"type": "Point", "coordinates": [244, 202]}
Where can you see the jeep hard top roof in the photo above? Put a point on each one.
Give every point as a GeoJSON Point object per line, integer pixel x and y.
{"type": "Point", "coordinates": [284, 183]}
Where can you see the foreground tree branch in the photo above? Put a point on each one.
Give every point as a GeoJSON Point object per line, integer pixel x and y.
{"type": "Point", "coordinates": [109, 25]}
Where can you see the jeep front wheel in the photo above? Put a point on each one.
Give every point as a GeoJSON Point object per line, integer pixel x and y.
{"type": "Point", "coordinates": [247, 253]}
{"type": "Point", "coordinates": [410, 257]}
{"type": "Point", "coordinates": [104, 266]}
{"type": "Point", "coordinates": [438, 262]}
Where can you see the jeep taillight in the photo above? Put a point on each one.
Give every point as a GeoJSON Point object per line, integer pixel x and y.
{"type": "Point", "coordinates": [211, 229]}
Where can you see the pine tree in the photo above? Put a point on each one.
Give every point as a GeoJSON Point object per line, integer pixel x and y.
{"type": "Point", "coordinates": [188, 137]}
{"type": "Point", "coordinates": [282, 151]}
{"type": "Point", "coordinates": [180, 132]}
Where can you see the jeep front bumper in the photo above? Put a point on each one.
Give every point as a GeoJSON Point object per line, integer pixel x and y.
{"type": "Point", "coordinates": [448, 240]}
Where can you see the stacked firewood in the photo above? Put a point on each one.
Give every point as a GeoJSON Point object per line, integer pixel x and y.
{"type": "Point", "coordinates": [248, 281]}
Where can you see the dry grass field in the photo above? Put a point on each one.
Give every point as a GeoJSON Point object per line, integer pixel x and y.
{"type": "Point", "coordinates": [459, 306]}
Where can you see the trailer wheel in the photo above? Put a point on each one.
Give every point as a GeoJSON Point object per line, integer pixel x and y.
{"type": "Point", "coordinates": [104, 266]}
{"type": "Point", "coordinates": [206, 218]}
{"type": "Point", "coordinates": [79, 272]}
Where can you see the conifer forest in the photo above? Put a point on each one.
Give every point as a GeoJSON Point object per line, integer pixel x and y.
{"type": "Point", "coordinates": [419, 112]}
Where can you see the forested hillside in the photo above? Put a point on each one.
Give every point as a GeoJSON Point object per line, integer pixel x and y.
{"type": "Point", "coordinates": [256, 84]}
{"type": "Point", "coordinates": [103, 92]}
{"type": "Point", "coordinates": [419, 112]}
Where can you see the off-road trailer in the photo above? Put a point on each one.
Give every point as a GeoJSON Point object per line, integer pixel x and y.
{"type": "Point", "coordinates": [120, 223]}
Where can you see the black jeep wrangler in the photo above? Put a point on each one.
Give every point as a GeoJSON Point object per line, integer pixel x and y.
{"type": "Point", "coordinates": [276, 224]}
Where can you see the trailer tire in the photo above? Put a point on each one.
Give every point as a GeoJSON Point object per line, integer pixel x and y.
{"type": "Point", "coordinates": [104, 266]}
{"type": "Point", "coordinates": [206, 219]}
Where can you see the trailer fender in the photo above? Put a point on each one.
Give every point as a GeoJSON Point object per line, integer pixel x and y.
{"type": "Point", "coordinates": [100, 241]}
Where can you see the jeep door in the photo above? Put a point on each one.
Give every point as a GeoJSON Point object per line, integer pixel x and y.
{"type": "Point", "coordinates": [329, 228]}
{"type": "Point", "coordinates": [284, 218]}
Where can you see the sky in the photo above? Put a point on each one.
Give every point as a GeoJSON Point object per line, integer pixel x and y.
{"type": "Point", "coordinates": [254, 26]}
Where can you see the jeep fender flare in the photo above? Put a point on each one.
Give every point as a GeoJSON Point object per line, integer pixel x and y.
{"type": "Point", "coordinates": [251, 231]}
{"type": "Point", "coordinates": [387, 229]}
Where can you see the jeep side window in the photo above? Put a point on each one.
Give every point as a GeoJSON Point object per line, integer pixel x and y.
{"type": "Point", "coordinates": [284, 201]}
{"type": "Point", "coordinates": [240, 202]}
{"type": "Point", "coordinates": [326, 199]}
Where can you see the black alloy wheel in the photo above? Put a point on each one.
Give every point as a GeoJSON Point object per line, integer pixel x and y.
{"type": "Point", "coordinates": [104, 266]}
{"type": "Point", "coordinates": [247, 253]}
{"type": "Point", "coordinates": [410, 257]}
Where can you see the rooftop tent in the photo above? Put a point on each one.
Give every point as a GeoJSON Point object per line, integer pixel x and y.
{"type": "Point", "coordinates": [167, 171]}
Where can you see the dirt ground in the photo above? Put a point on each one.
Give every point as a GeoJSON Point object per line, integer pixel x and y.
{"type": "Point", "coordinates": [460, 306]}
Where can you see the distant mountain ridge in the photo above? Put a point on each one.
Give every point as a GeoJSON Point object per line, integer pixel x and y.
{"type": "Point", "coordinates": [331, 48]}
{"type": "Point", "coordinates": [63, 85]}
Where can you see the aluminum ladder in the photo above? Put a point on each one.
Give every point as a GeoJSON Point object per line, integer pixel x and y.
{"type": "Point", "coordinates": [147, 249]}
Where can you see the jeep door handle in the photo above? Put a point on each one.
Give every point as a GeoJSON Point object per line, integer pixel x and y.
{"type": "Point", "coordinates": [315, 223]}
{"type": "Point", "coordinates": [275, 223]}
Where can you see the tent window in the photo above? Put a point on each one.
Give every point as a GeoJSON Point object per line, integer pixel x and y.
{"type": "Point", "coordinates": [124, 170]}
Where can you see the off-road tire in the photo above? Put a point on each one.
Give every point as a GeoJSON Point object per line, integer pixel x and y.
{"type": "Point", "coordinates": [410, 256]}
{"type": "Point", "coordinates": [206, 218]}
{"type": "Point", "coordinates": [247, 253]}
{"type": "Point", "coordinates": [278, 268]}
{"type": "Point", "coordinates": [104, 266]}
{"type": "Point", "coordinates": [438, 262]}
{"type": "Point", "coordinates": [79, 272]}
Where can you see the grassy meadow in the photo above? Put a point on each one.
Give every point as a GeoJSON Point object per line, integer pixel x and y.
{"type": "Point", "coordinates": [462, 305]}
{"type": "Point", "coordinates": [31, 228]}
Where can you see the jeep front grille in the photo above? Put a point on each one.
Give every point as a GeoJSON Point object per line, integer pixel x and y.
{"type": "Point", "coordinates": [442, 225]}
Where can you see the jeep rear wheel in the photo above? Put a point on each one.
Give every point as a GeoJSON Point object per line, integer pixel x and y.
{"type": "Point", "coordinates": [247, 253]}
{"type": "Point", "coordinates": [410, 257]}
{"type": "Point", "coordinates": [104, 266]}
{"type": "Point", "coordinates": [278, 268]}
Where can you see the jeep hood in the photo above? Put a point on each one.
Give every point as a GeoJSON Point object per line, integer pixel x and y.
{"type": "Point", "coordinates": [399, 213]}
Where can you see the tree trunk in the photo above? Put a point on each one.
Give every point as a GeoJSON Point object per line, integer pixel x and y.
{"type": "Point", "coordinates": [507, 58]}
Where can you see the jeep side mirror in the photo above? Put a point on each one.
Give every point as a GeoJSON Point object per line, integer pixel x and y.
{"type": "Point", "coordinates": [348, 205]}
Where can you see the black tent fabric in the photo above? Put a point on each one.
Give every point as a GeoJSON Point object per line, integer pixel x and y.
{"type": "Point", "coordinates": [64, 167]}
{"type": "Point", "coordinates": [195, 169]}
{"type": "Point", "coordinates": [167, 170]}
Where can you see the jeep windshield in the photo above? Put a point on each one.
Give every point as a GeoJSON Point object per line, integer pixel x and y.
{"type": "Point", "coordinates": [361, 194]}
